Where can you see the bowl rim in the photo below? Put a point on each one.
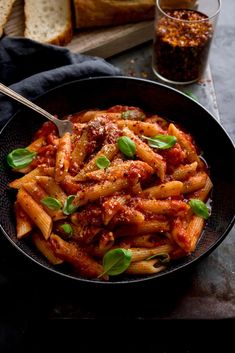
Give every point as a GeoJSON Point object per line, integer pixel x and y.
{"type": "Point", "coordinates": [127, 281]}
{"type": "Point", "coordinates": [126, 78]}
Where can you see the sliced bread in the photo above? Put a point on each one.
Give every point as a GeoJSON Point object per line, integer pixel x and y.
{"type": "Point", "coordinates": [5, 10]}
{"type": "Point", "coordinates": [48, 21]}
{"type": "Point", "coordinates": [93, 13]}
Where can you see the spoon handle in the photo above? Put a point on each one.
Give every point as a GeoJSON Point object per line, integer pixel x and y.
{"type": "Point", "coordinates": [9, 92]}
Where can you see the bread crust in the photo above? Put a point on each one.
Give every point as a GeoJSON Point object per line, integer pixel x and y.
{"type": "Point", "coordinates": [4, 17]}
{"type": "Point", "coordinates": [64, 38]}
{"type": "Point", "coordinates": [94, 13]}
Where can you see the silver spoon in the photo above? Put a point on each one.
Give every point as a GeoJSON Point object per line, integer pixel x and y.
{"type": "Point", "coordinates": [63, 126]}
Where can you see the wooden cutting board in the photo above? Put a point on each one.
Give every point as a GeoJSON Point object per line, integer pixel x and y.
{"type": "Point", "coordinates": [103, 42]}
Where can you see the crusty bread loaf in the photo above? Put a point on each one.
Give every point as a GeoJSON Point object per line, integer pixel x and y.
{"type": "Point", "coordinates": [5, 9]}
{"type": "Point", "coordinates": [93, 13]}
{"type": "Point", "coordinates": [48, 21]}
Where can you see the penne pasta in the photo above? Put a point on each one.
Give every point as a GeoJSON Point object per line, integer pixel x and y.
{"type": "Point", "coordinates": [37, 144]}
{"type": "Point", "coordinates": [144, 241]}
{"type": "Point", "coordinates": [130, 169]}
{"type": "Point", "coordinates": [152, 226]}
{"type": "Point", "coordinates": [24, 170]}
{"type": "Point", "coordinates": [203, 193]}
{"type": "Point", "coordinates": [146, 154]}
{"type": "Point", "coordinates": [52, 188]}
{"type": "Point", "coordinates": [94, 114]}
{"type": "Point", "coordinates": [155, 119]}
{"type": "Point", "coordinates": [103, 199]}
{"type": "Point", "coordinates": [106, 242]}
{"type": "Point", "coordinates": [93, 193]}
{"type": "Point", "coordinates": [84, 234]}
{"type": "Point", "coordinates": [38, 194]}
{"type": "Point", "coordinates": [185, 142]}
{"type": "Point", "coordinates": [163, 191]}
{"type": "Point", "coordinates": [139, 254]}
{"type": "Point", "coordinates": [194, 231]}
{"type": "Point", "coordinates": [63, 157]}
{"type": "Point", "coordinates": [128, 215]}
{"type": "Point", "coordinates": [47, 171]}
{"type": "Point", "coordinates": [136, 189]}
{"type": "Point", "coordinates": [140, 127]}
{"type": "Point", "coordinates": [108, 151]}
{"type": "Point", "coordinates": [185, 171]}
{"type": "Point", "coordinates": [35, 212]}
{"type": "Point", "coordinates": [23, 223]}
{"type": "Point", "coordinates": [144, 268]}
{"type": "Point", "coordinates": [79, 152]}
{"type": "Point", "coordinates": [80, 260]}
{"type": "Point", "coordinates": [18, 183]}
{"type": "Point", "coordinates": [180, 234]}
{"type": "Point", "coordinates": [194, 183]}
{"type": "Point", "coordinates": [112, 206]}
{"type": "Point", "coordinates": [163, 207]}
{"type": "Point", "coordinates": [45, 249]}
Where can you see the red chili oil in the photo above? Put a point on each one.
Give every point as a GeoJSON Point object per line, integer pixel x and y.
{"type": "Point", "coordinates": [181, 45]}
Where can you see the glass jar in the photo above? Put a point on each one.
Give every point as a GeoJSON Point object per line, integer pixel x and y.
{"type": "Point", "coordinates": [183, 32]}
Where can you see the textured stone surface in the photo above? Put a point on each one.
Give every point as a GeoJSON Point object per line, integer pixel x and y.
{"type": "Point", "coordinates": [223, 65]}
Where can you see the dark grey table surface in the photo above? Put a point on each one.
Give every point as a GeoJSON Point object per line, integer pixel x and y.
{"type": "Point", "coordinates": [205, 292]}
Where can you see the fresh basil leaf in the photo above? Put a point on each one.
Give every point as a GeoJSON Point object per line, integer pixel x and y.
{"type": "Point", "coordinates": [162, 142]}
{"type": "Point", "coordinates": [133, 115]}
{"type": "Point", "coordinates": [192, 95]}
{"type": "Point", "coordinates": [52, 203]}
{"type": "Point", "coordinates": [68, 206]}
{"type": "Point", "coordinates": [67, 228]}
{"type": "Point", "coordinates": [126, 146]}
{"type": "Point", "coordinates": [163, 258]}
{"type": "Point", "coordinates": [199, 208]}
{"type": "Point", "coordinates": [20, 158]}
{"type": "Point", "coordinates": [102, 162]}
{"type": "Point", "coordinates": [116, 261]}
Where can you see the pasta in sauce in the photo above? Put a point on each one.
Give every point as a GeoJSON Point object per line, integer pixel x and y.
{"type": "Point", "coordinates": [124, 179]}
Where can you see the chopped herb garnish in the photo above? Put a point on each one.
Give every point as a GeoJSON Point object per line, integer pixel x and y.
{"type": "Point", "coordinates": [199, 208]}
{"type": "Point", "coordinates": [127, 146]}
{"type": "Point", "coordinates": [102, 162]}
{"type": "Point", "coordinates": [67, 228]}
{"type": "Point", "coordinates": [52, 203]}
{"type": "Point", "coordinates": [116, 261]}
{"type": "Point", "coordinates": [162, 142]}
{"type": "Point", "coordinates": [68, 206]}
{"type": "Point", "coordinates": [20, 158]}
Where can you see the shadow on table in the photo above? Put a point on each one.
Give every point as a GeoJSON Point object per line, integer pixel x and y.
{"type": "Point", "coordinates": [29, 291]}
{"type": "Point", "coordinates": [40, 311]}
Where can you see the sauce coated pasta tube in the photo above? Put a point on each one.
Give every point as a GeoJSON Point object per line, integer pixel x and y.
{"type": "Point", "coordinates": [124, 194]}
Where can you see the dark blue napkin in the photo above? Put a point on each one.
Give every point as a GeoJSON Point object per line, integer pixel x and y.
{"type": "Point", "coordinates": [31, 68]}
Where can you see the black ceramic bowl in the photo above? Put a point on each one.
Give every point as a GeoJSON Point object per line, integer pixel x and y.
{"type": "Point", "coordinates": [104, 92]}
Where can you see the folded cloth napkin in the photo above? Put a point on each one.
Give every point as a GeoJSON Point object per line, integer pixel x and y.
{"type": "Point", "coordinates": [31, 68]}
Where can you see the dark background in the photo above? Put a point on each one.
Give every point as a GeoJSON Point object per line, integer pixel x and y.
{"type": "Point", "coordinates": [192, 312]}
